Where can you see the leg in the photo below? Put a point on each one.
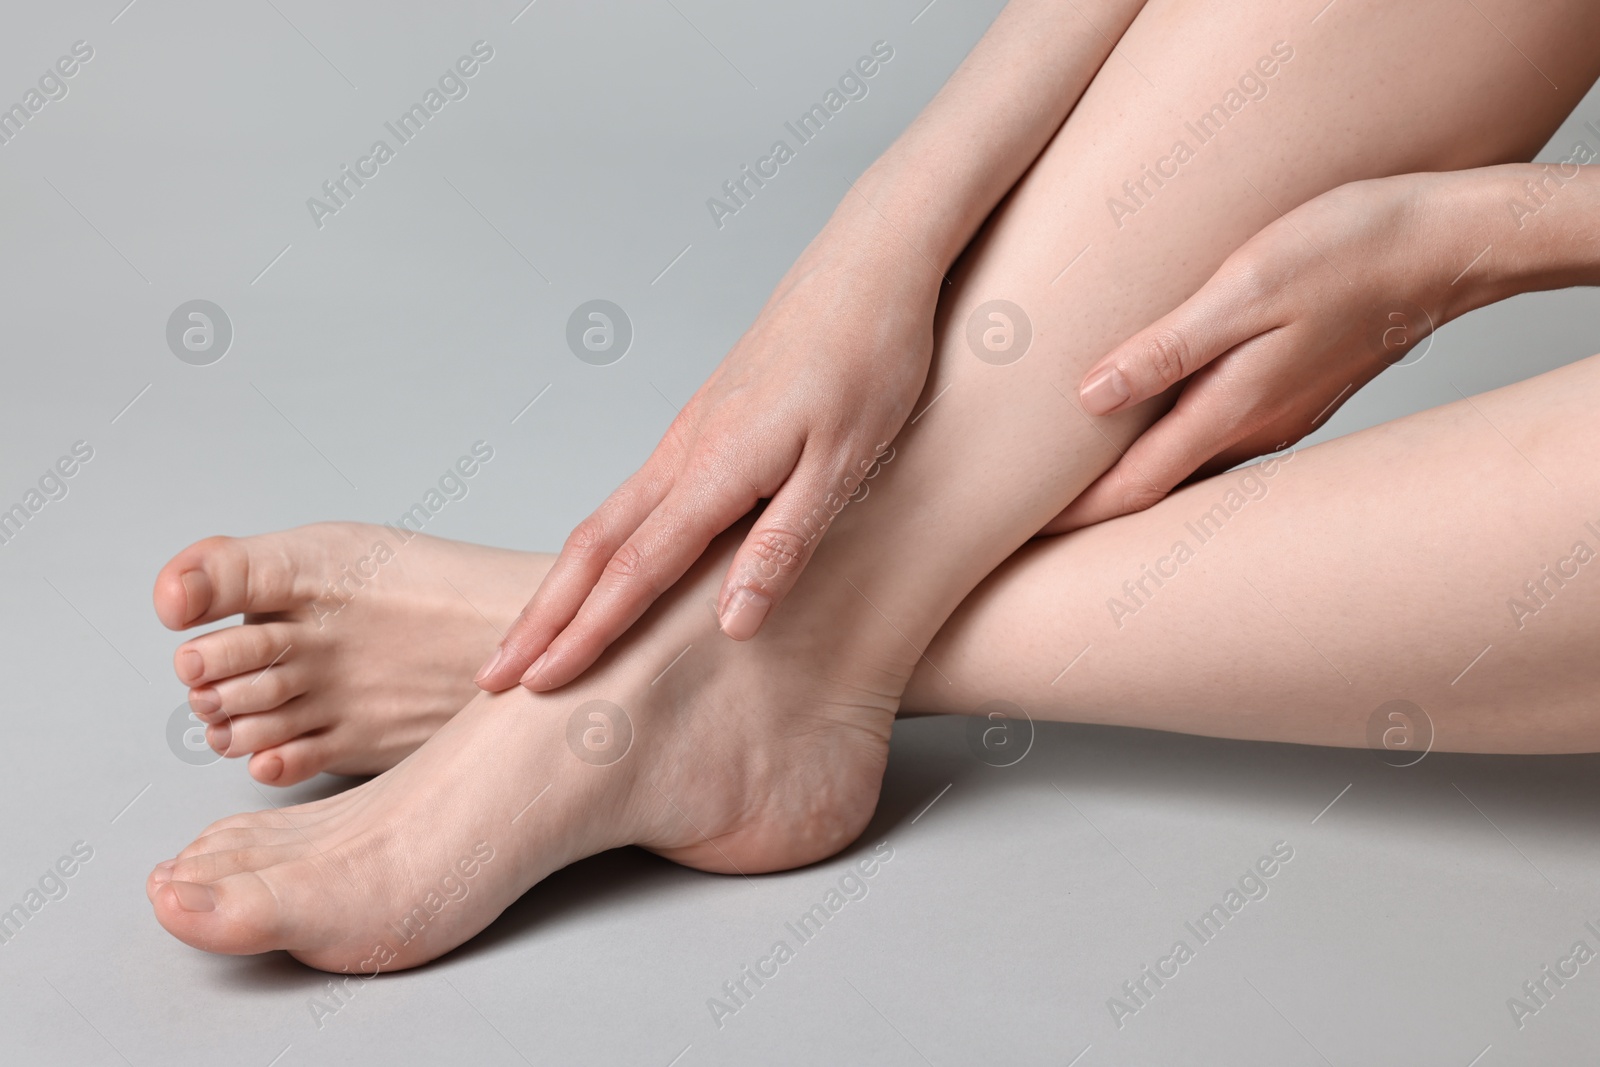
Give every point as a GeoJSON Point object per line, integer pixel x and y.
{"type": "Point", "coordinates": [997, 447]}
{"type": "Point", "coordinates": [766, 755]}
{"type": "Point", "coordinates": [1288, 603]}
{"type": "Point", "coordinates": [1377, 548]}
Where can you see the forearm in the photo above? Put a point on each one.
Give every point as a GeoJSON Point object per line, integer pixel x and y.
{"type": "Point", "coordinates": [1541, 231]}
{"type": "Point", "coordinates": [938, 182]}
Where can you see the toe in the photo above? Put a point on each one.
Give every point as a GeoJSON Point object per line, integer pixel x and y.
{"type": "Point", "coordinates": [224, 576]}
{"type": "Point", "coordinates": [283, 904]}
{"type": "Point", "coordinates": [205, 868]}
{"type": "Point", "coordinates": [242, 735]}
{"type": "Point", "coordinates": [237, 650]}
{"type": "Point", "coordinates": [246, 694]}
{"type": "Point", "coordinates": [235, 839]}
{"type": "Point", "coordinates": [296, 760]}
{"type": "Point", "coordinates": [158, 878]}
{"type": "Point", "coordinates": [236, 915]}
{"type": "Point", "coordinates": [286, 818]}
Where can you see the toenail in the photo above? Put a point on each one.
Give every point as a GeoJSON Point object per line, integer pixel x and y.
{"type": "Point", "coordinates": [220, 736]}
{"type": "Point", "coordinates": [197, 593]}
{"type": "Point", "coordinates": [270, 769]}
{"type": "Point", "coordinates": [192, 896]}
{"type": "Point", "coordinates": [488, 668]}
{"type": "Point", "coordinates": [204, 701]}
{"type": "Point", "coordinates": [163, 872]}
{"type": "Point", "coordinates": [190, 665]}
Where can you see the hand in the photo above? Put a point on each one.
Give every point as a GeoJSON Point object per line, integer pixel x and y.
{"type": "Point", "coordinates": [799, 413]}
{"type": "Point", "coordinates": [1301, 316]}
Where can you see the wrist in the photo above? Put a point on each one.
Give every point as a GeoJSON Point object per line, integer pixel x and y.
{"type": "Point", "coordinates": [1471, 211]}
{"type": "Point", "coordinates": [1518, 228]}
{"type": "Point", "coordinates": [881, 255]}
{"type": "Point", "coordinates": [900, 208]}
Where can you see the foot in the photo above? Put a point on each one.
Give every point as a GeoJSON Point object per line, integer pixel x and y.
{"type": "Point", "coordinates": [743, 757]}
{"type": "Point", "coordinates": [358, 643]}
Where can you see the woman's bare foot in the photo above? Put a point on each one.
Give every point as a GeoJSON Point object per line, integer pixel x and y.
{"type": "Point", "coordinates": [358, 641]}
{"type": "Point", "coordinates": [733, 757]}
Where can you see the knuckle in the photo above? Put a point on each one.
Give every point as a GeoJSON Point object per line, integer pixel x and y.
{"type": "Point", "coordinates": [776, 549]}
{"type": "Point", "coordinates": [627, 565]}
{"type": "Point", "coordinates": [587, 540]}
{"type": "Point", "coordinates": [706, 466]}
{"type": "Point", "coordinates": [1166, 353]}
{"type": "Point", "coordinates": [680, 437]}
{"type": "Point", "coordinates": [1252, 282]}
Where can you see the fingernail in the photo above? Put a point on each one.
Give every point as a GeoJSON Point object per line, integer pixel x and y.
{"type": "Point", "coordinates": [744, 614]}
{"type": "Point", "coordinates": [220, 736]}
{"type": "Point", "coordinates": [1106, 392]}
{"type": "Point", "coordinates": [204, 701]}
{"type": "Point", "coordinates": [192, 896]}
{"type": "Point", "coordinates": [488, 668]}
{"type": "Point", "coordinates": [163, 872]}
{"type": "Point", "coordinates": [197, 593]}
{"type": "Point", "coordinates": [531, 675]}
{"type": "Point", "coordinates": [190, 666]}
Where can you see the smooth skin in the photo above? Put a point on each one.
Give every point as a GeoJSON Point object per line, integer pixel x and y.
{"type": "Point", "coordinates": [1347, 575]}
{"type": "Point", "coordinates": [312, 683]}
{"type": "Point", "coordinates": [768, 753]}
{"type": "Point", "coordinates": [828, 373]}
{"type": "Point", "coordinates": [740, 438]}
{"type": "Point", "coordinates": [1320, 302]}
{"type": "Point", "coordinates": [1377, 567]}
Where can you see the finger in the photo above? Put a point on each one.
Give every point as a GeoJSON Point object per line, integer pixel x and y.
{"type": "Point", "coordinates": [1163, 457]}
{"type": "Point", "coordinates": [1225, 312]}
{"type": "Point", "coordinates": [569, 580]}
{"type": "Point", "coordinates": [646, 565]}
{"type": "Point", "coordinates": [779, 546]}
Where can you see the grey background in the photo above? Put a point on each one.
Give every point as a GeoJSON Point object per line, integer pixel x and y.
{"type": "Point", "coordinates": [426, 316]}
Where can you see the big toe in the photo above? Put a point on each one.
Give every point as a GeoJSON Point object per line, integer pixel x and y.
{"type": "Point", "coordinates": [222, 576]}
{"type": "Point", "coordinates": [277, 906]}
{"type": "Point", "coordinates": [236, 914]}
